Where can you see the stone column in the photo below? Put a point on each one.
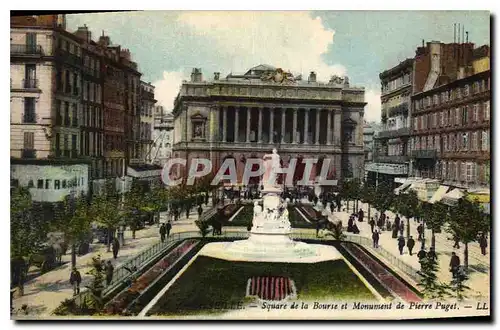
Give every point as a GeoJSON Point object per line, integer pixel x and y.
{"type": "Point", "coordinates": [306, 126]}
{"type": "Point", "coordinates": [260, 126]}
{"type": "Point", "coordinates": [271, 125]}
{"type": "Point", "coordinates": [249, 116]}
{"type": "Point", "coordinates": [283, 118]}
{"type": "Point", "coordinates": [329, 128]}
{"type": "Point", "coordinates": [317, 126]}
{"type": "Point", "coordinates": [337, 128]}
{"type": "Point", "coordinates": [224, 124]}
{"type": "Point", "coordinates": [236, 124]}
{"type": "Point", "coordinates": [294, 137]}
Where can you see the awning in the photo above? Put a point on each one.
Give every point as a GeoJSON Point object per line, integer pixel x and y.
{"type": "Point", "coordinates": [439, 194]}
{"type": "Point", "coordinates": [481, 197]}
{"type": "Point", "coordinates": [453, 196]}
{"type": "Point", "coordinates": [403, 187]}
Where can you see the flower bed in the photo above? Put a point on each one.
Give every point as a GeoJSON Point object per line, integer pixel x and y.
{"type": "Point", "coordinates": [119, 303]}
{"type": "Point", "coordinates": [310, 213]}
{"type": "Point", "coordinates": [229, 210]}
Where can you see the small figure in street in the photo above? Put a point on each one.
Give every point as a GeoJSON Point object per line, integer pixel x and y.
{"type": "Point", "coordinates": [432, 254]}
{"type": "Point", "coordinates": [375, 238]}
{"type": "Point", "coordinates": [200, 211]}
{"type": "Point", "coordinates": [75, 279]}
{"type": "Point", "coordinates": [116, 247]}
{"type": "Point", "coordinates": [109, 272]}
{"type": "Point", "coordinates": [169, 228]}
{"type": "Point", "coordinates": [372, 224]}
{"type": "Point", "coordinates": [361, 214]}
{"type": "Point", "coordinates": [454, 264]}
{"type": "Point", "coordinates": [457, 242]}
{"type": "Point", "coordinates": [483, 243]}
{"type": "Point", "coordinates": [420, 231]}
{"type": "Point", "coordinates": [163, 232]}
{"type": "Point", "coordinates": [422, 254]}
{"type": "Point", "coordinates": [318, 227]}
{"type": "Point", "coordinates": [130, 280]}
{"type": "Point", "coordinates": [401, 244]}
{"type": "Point", "coordinates": [401, 228]}
{"type": "Point", "coordinates": [410, 244]}
{"type": "Point", "coordinates": [394, 230]}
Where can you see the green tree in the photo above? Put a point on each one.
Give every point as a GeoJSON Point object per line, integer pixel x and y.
{"type": "Point", "coordinates": [134, 201]}
{"type": "Point", "coordinates": [336, 231]}
{"type": "Point", "coordinates": [27, 233]}
{"type": "Point", "coordinates": [408, 205]}
{"type": "Point", "coordinates": [431, 288]}
{"type": "Point", "coordinates": [467, 221]}
{"type": "Point", "coordinates": [383, 197]}
{"type": "Point", "coordinates": [105, 210]}
{"type": "Point", "coordinates": [368, 196]}
{"type": "Point", "coordinates": [96, 287]}
{"type": "Point", "coordinates": [203, 227]}
{"type": "Point", "coordinates": [435, 215]}
{"type": "Point", "coordinates": [77, 224]}
{"type": "Point", "coordinates": [458, 286]}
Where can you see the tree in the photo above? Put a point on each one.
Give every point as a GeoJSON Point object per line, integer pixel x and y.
{"type": "Point", "coordinates": [105, 211]}
{"type": "Point", "coordinates": [368, 195]}
{"type": "Point", "coordinates": [27, 234]}
{"type": "Point", "coordinates": [457, 284]}
{"type": "Point", "coordinates": [96, 288]}
{"type": "Point", "coordinates": [335, 230]}
{"type": "Point", "coordinates": [202, 227]}
{"type": "Point", "coordinates": [132, 206]}
{"type": "Point", "coordinates": [76, 226]}
{"type": "Point", "coordinates": [408, 205]}
{"type": "Point", "coordinates": [467, 222]}
{"type": "Point", "coordinates": [431, 287]}
{"type": "Point", "coordinates": [435, 215]}
{"type": "Point", "coordinates": [383, 197]}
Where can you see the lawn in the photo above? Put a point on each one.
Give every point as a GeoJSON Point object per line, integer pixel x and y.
{"type": "Point", "coordinates": [210, 282]}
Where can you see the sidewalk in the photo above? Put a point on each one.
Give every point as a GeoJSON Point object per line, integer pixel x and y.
{"type": "Point", "coordinates": [479, 265]}
{"type": "Point", "coordinates": [44, 293]}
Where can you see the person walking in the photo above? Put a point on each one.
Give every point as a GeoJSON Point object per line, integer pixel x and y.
{"type": "Point", "coordinates": [457, 242]}
{"type": "Point", "coordinates": [372, 224]}
{"type": "Point", "coordinates": [168, 228]}
{"type": "Point", "coordinates": [332, 207]}
{"type": "Point", "coordinates": [200, 211]}
{"type": "Point", "coordinates": [116, 247]}
{"type": "Point", "coordinates": [420, 231]}
{"type": "Point", "coordinates": [410, 244]}
{"type": "Point", "coordinates": [109, 272]}
{"type": "Point", "coordinates": [421, 255]}
{"type": "Point", "coordinates": [483, 243]}
{"type": "Point", "coordinates": [401, 228]}
{"type": "Point", "coordinates": [163, 232]}
{"type": "Point", "coordinates": [361, 215]}
{"type": "Point", "coordinates": [454, 264]}
{"type": "Point", "coordinates": [375, 238]}
{"type": "Point", "coordinates": [432, 254]}
{"type": "Point", "coordinates": [401, 244]}
{"type": "Point", "coordinates": [75, 279]}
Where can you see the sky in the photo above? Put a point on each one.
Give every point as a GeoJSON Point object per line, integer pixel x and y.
{"type": "Point", "coordinates": [360, 44]}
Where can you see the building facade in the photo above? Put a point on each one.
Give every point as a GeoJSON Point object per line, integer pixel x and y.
{"type": "Point", "coordinates": [146, 120]}
{"type": "Point", "coordinates": [390, 158]}
{"type": "Point", "coordinates": [451, 126]}
{"type": "Point", "coordinates": [245, 116]}
{"type": "Point", "coordinates": [163, 135]}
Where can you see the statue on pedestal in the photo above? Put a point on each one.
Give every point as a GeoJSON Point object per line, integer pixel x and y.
{"type": "Point", "coordinates": [272, 166]}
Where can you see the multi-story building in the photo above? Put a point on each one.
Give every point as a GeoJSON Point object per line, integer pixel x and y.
{"type": "Point", "coordinates": [245, 116]}
{"type": "Point", "coordinates": [451, 121]}
{"type": "Point", "coordinates": [163, 135]}
{"type": "Point", "coordinates": [390, 158]}
{"type": "Point", "coordinates": [146, 125]}
{"type": "Point", "coordinates": [369, 131]}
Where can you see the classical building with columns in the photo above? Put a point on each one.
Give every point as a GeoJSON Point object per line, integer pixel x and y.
{"type": "Point", "coordinates": [245, 116]}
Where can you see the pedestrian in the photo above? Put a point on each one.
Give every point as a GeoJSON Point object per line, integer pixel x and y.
{"type": "Point", "coordinates": [332, 207]}
{"type": "Point", "coordinates": [432, 254]}
{"type": "Point", "coordinates": [200, 211]}
{"type": "Point", "coordinates": [375, 238]}
{"type": "Point", "coordinates": [116, 247]}
{"type": "Point", "coordinates": [109, 272]}
{"type": "Point", "coordinates": [401, 244]}
{"type": "Point", "coordinates": [75, 279]}
{"type": "Point", "coordinates": [401, 228]}
{"type": "Point", "coordinates": [457, 242]}
{"type": "Point", "coordinates": [163, 232]}
{"type": "Point", "coordinates": [372, 224]}
{"type": "Point", "coordinates": [168, 228]}
{"type": "Point", "coordinates": [483, 243]}
{"type": "Point", "coordinates": [361, 215]}
{"type": "Point", "coordinates": [388, 225]}
{"type": "Point", "coordinates": [395, 230]}
{"type": "Point", "coordinates": [420, 231]}
{"type": "Point", "coordinates": [410, 244]}
{"type": "Point", "coordinates": [454, 264]}
{"type": "Point", "coordinates": [421, 255]}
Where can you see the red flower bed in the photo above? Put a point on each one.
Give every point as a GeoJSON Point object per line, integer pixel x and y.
{"type": "Point", "coordinates": [119, 303]}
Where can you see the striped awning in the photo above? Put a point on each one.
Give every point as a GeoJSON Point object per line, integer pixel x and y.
{"type": "Point", "coordinates": [439, 194]}
{"type": "Point", "coordinates": [403, 187]}
{"type": "Point", "coordinates": [451, 198]}
{"type": "Point", "coordinates": [481, 197]}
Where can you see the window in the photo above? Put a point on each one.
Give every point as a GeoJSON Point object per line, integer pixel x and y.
{"type": "Point", "coordinates": [475, 112]}
{"type": "Point", "coordinates": [465, 112]}
{"type": "Point", "coordinates": [424, 143]}
{"type": "Point", "coordinates": [47, 183]}
{"type": "Point", "coordinates": [443, 170]}
{"type": "Point", "coordinates": [465, 141]}
{"type": "Point", "coordinates": [466, 90]}
{"type": "Point", "coordinates": [29, 110]}
{"type": "Point", "coordinates": [484, 141]}
{"type": "Point", "coordinates": [473, 146]}
{"type": "Point", "coordinates": [449, 117]}
{"type": "Point", "coordinates": [463, 171]}
{"type": "Point", "coordinates": [39, 184]}
{"type": "Point", "coordinates": [457, 171]}
{"type": "Point", "coordinates": [437, 143]}
{"type": "Point", "coordinates": [475, 87]}
{"type": "Point", "coordinates": [29, 140]}
{"type": "Point", "coordinates": [415, 124]}
{"type": "Point", "coordinates": [64, 183]}
{"type": "Point", "coordinates": [57, 184]}
{"type": "Point", "coordinates": [486, 110]}
{"type": "Point", "coordinates": [436, 99]}
{"type": "Point", "coordinates": [434, 120]}
{"type": "Point", "coordinates": [457, 116]}
{"type": "Point", "coordinates": [31, 184]}
{"type": "Point", "coordinates": [459, 93]}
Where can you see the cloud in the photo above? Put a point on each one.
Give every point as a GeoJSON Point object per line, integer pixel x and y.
{"type": "Point", "coordinates": [167, 88]}
{"type": "Point", "coordinates": [373, 108]}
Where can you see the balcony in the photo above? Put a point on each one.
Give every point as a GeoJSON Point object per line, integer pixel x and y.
{"type": "Point", "coordinates": [424, 154]}
{"type": "Point", "coordinates": [30, 83]}
{"type": "Point", "coordinates": [396, 159]}
{"type": "Point", "coordinates": [29, 118]}
{"type": "Point", "coordinates": [25, 50]}
{"type": "Point", "coordinates": [28, 153]}
{"type": "Point", "coordinates": [405, 131]}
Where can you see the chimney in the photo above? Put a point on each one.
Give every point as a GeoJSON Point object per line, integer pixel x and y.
{"type": "Point", "coordinates": [216, 75]}
{"type": "Point", "coordinates": [312, 77]}
{"type": "Point", "coordinates": [196, 75]}
{"type": "Point", "coordinates": [104, 40]}
{"type": "Point", "coordinates": [125, 53]}
{"type": "Point", "coordinates": [84, 33]}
